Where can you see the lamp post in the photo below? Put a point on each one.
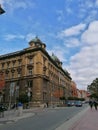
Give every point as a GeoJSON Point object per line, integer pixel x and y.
{"type": "Point", "coordinates": [1, 10]}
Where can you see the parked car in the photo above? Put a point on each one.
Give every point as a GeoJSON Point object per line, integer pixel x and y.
{"type": "Point", "coordinates": [70, 103]}
{"type": "Point", "coordinates": [78, 104]}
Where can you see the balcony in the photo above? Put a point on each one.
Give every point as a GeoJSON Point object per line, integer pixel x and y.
{"type": "Point", "coordinates": [44, 68]}
{"type": "Point", "coordinates": [30, 66]}
{"type": "Point", "coordinates": [19, 69]}
{"type": "Point", "coordinates": [7, 71]}
{"type": "Point", "coordinates": [12, 70]}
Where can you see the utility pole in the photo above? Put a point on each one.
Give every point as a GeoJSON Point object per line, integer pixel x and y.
{"type": "Point", "coordinates": [1, 10]}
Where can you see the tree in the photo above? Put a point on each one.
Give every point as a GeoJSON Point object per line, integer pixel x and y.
{"type": "Point", "coordinates": [23, 98]}
{"type": "Point", "coordinates": [93, 88]}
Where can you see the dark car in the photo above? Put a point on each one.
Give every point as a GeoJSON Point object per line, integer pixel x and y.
{"type": "Point", "coordinates": [78, 104]}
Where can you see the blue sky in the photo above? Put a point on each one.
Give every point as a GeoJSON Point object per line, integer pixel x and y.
{"type": "Point", "coordinates": [68, 27]}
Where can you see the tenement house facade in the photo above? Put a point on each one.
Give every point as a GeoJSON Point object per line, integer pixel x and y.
{"type": "Point", "coordinates": [33, 72]}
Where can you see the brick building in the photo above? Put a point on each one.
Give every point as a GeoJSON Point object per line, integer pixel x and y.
{"type": "Point", "coordinates": [74, 89]}
{"type": "Point", "coordinates": [32, 71]}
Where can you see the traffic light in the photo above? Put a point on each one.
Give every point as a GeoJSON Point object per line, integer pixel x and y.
{"type": "Point", "coordinates": [1, 10]}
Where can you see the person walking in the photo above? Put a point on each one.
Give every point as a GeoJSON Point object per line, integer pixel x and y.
{"type": "Point", "coordinates": [91, 104]}
{"type": "Point", "coordinates": [95, 104]}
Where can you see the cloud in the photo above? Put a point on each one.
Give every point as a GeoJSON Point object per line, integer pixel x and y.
{"type": "Point", "coordinates": [88, 10]}
{"type": "Point", "coordinates": [60, 15]}
{"type": "Point", "coordinates": [69, 10]}
{"type": "Point", "coordinates": [71, 42]}
{"type": "Point", "coordinates": [26, 37]}
{"type": "Point", "coordinates": [91, 16]}
{"type": "Point", "coordinates": [96, 3]}
{"type": "Point", "coordinates": [90, 36]}
{"type": "Point", "coordinates": [10, 37]}
{"type": "Point", "coordinates": [1, 2]}
{"type": "Point", "coordinates": [59, 52]}
{"type": "Point", "coordinates": [29, 36]}
{"type": "Point", "coordinates": [73, 31]}
{"type": "Point", "coordinates": [83, 66]}
{"type": "Point", "coordinates": [12, 5]}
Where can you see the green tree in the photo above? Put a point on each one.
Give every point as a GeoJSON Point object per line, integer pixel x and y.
{"type": "Point", "coordinates": [23, 98]}
{"type": "Point", "coordinates": [93, 88]}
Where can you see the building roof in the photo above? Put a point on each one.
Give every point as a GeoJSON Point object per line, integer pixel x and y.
{"type": "Point", "coordinates": [55, 58]}
{"type": "Point", "coordinates": [36, 40]}
{"type": "Point", "coordinates": [24, 51]}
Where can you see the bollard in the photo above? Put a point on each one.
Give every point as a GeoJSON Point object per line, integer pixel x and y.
{"type": "Point", "coordinates": [20, 109]}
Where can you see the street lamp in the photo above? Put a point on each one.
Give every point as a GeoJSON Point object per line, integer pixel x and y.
{"type": "Point", "coordinates": [1, 10]}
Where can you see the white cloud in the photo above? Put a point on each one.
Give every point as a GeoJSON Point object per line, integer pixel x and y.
{"type": "Point", "coordinates": [69, 10]}
{"type": "Point", "coordinates": [88, 10]}
{"type": "Point", "coordinates": [1, 2]}
{"type": "Point", "coordinates": [91, 16]}
{"type": "Point", "coordinates": [73, 31]}
{"type": "Point", "coordinates": [29, 36]}
{"type": "Point", "coordinates": [12, 5]}
{"type": "Point", "coordinates": [96, 3]}
{"type": "Point", "coordinates": [90, 36]}
{"type": "Point", "coordinates": [72, 42]}
{"type": "Point", "coordinates": [59, 52]}
{"type": "Point", "coordinates": [60, 15]}
{"type": "Point", "coordinates": [83, 65]}
{"type": "Point", "coordinates": [9, 37]}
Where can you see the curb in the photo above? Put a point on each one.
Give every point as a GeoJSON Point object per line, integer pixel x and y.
{"type": "Point", "coordinates": [14, 119]}
{"type": "Point", "coordinates": [70, 122]}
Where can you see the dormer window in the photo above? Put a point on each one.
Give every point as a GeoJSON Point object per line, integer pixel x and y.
{"type": "Point", "coordinates": [36, 42]}
{"type": "Point", "coordinates": [3, 65]}
{"type": "Point", "coordinates": [8, 63]}
{"type": "Point", "coordinates": [13, 63]}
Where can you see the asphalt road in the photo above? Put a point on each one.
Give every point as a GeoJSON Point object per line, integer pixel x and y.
{"type": "Point", "coordinates": [49, 119]}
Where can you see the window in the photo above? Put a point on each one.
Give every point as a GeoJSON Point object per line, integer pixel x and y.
{"type": "Point", "coordinates": [19, 62]}
{"type": "Point", "coordinates": [30, 83]}
{"type": "Point", "coordinates": [2, 65]}
{"type": "Point", "coordinates": [30, 60]}
{"type": "Point", "coordinates": [19, 74]}
{"type": "Point", "coordinates": [6, 76]}
{"type": "Point", "coordinates": [8, 63]}
{"type": "Point", "coordinates": [13, 63]}
{"type": "Point", "coordinates": [30, 71]}
{"type": "Point", "coordinates": [12, 75]}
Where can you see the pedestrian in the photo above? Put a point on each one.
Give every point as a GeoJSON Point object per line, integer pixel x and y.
{"type": "Point", "coordinates": [47, 104]}
{"type": "Point", "coordinates": [91, 104]}
{"type": "Point", "coordinates": [95, 105]}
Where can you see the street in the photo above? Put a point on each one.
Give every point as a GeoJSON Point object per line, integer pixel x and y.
{"type": "Point", "coordinates": [48, 119]}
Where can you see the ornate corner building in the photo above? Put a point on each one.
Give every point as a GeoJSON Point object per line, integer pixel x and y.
{"type": "Point", "coordinates": [34, 72]}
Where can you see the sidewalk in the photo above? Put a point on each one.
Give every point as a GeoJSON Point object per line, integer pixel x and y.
{"type": "Point", "coordinates": [14, 115]}
{"type": "Point", "coordinates": [89, 121]}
